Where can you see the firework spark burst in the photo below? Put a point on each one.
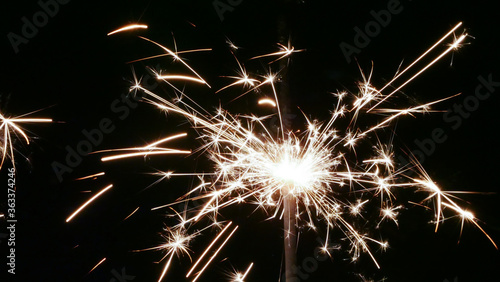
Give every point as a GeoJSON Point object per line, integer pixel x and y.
{"type": "Point", "coordinates": [10, 127]}
{"type": "Point", "coordinates": [319, 167]}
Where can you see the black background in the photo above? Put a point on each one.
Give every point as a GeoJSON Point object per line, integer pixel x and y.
{"type": "Point", "coordinates": [73, 72]}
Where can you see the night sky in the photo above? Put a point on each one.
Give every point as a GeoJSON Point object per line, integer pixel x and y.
{"type": "Point", "coordinates": [66, 67]}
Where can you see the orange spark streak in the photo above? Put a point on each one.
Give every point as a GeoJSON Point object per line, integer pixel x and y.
{"type": "Point", "coordinates": [165, 269]}
{"type": "Point", "coordinates": [128, 27]}
{"type": "Point", "coordinates": [166, 139]}
{"type": "Point", "coordinates": [131, 214]}
{"type": "Point", "coordinates": [248, 271]}
{"type": "Point", "coordinates": [181, 77]}
{"type": "Point", "coordinates": [162, 152]}
{"type": "Point", "coordinates": [215, 254]}
{"type": "Point", "coordinates": [207, 249]}
{"type": "Point", "coordinates": [88, 202]}
{"type": "Point", "coordinates": [91, 176]}
{"type": "Point", "coordinates": [267, 101]}
{"type": "Point", "coordinates": [414, 62]}
{"type": "Point", "coordinates": [99, 263]}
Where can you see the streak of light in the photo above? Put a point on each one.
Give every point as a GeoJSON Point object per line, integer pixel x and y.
{"type": "Point", "coordinates": [207, 249]}
{"type": "Point", "coordinates": [128, 28]}
{"type": "Point", "coordinates": [99, 263]}
{"type": "Point", "coordinates": [88, 202]}
{"type": "Point", "coordinates": [91, 176]}
{"type": "Point", "coordinates": [215, 254]}
{"type": "Point", "coordinates": [131, 214]}
{"type": "Point", "coordinates": [267, 101]}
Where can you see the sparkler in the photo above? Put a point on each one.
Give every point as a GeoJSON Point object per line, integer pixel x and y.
{"type": "Point", "coordinates": [311, 178]}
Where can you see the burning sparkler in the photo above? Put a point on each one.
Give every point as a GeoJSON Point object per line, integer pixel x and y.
{"type": "Point", "coordinates": [312, 178]}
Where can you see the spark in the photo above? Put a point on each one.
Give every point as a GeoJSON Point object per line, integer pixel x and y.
{"type": "Point", "coordinates": [128, 27]}
{"type": "Point", "coordinates": [169, 54]}
{"type": "Point", "coordinates": [215, 253]}
{"type": "Point", "coordinates": [150, 149]}
{"type": "Point", "coordinates": [243, 78]}
{"type": "Point", "coordinates": [240, 277]}
{"type": "Point", "coordinates": [267, 101]}
{"type": "Point", "coordinates": [88, 202]}
{"type": "Point", "coordinates": [99, 263]}
{"type": "Point", "coordinates": [132, 213]}
{"type": "Point", "coordinates": [91, 176]}
{"type": "Point", "coordinates": [9, 127]}
{"type": "Point", "coordinates": [389, 212]}
{"type": "Point", "coordinates": [231, 44]}
{"type": "Point", "coordinates": [285, 51]}
{"type": "Point", "coordinates": [208, 249]}
{"type": "Point", "coordinates": [154, 151]}
{"type": "Point", "coordinates": [356, 208]}
{"type": "Point", "coordinates": [177, 243]}
{"type": "Point", "coordinates": [452, 47]}
{"type": "Point", "coordinates": [176, 58]}
{"type": "Point", "coordinates": [180, 77]}
{"type": "Point", "coordinates": [469, 216]}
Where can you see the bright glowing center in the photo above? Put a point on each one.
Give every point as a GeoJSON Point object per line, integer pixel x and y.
{"type": "Point", "coordinates": [293, 172]}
